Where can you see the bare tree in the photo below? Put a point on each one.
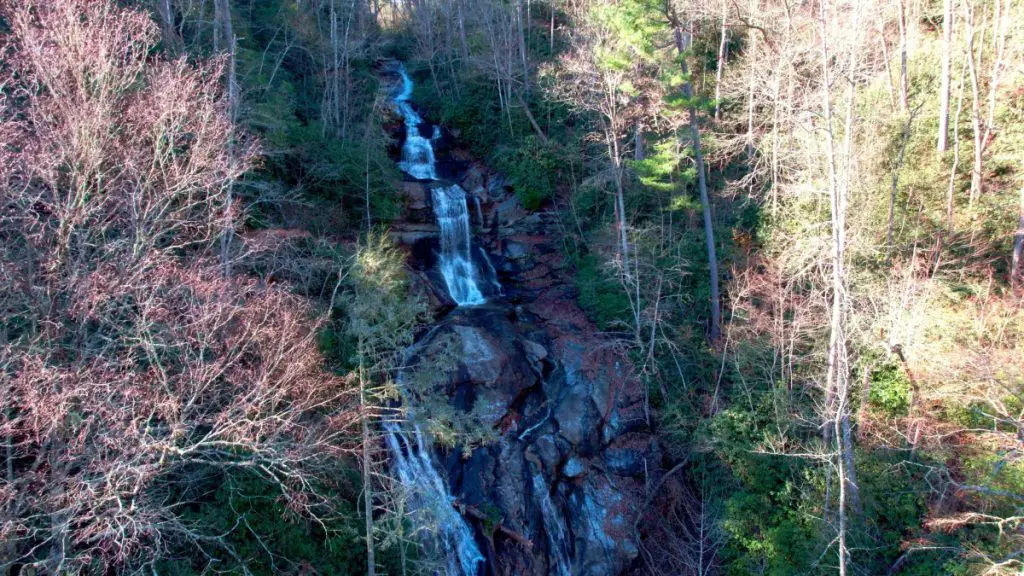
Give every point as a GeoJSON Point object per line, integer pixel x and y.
{"type": "Point", "coordinates": [720, 64]}
{"type": "Point", "coordinates": [142, 372]}
{"type": "Point", "coordinates": [836, 383]}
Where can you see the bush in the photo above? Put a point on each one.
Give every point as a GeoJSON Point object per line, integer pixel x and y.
{"type": "Point", "coordinates": [890, 390]}
{"type": "Point", "coordinates": [601, 295]}
{"type": "Point", "coordinates": [532, 167]}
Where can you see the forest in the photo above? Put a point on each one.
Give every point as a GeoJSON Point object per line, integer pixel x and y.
{"type": "Point", "coordinates": [512, 287]}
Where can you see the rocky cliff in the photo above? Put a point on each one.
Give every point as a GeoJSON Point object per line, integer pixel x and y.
{"type": "Point", "coordinates": [558, 488]}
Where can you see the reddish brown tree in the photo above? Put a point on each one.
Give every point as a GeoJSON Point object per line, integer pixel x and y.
{"type": "Point", "coordinates": [130, 367]}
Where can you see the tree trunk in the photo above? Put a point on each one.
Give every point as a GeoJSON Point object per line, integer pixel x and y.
{"type": "Point", "coordinates": [333, 103]}
{"type": "Point", "coordinates": [903, 57]}
{"type": "Point", "coordinates": [551, 31]}
{"type": "Point", "coordinates": [1016, 270]}
{"type": "Point", "coordinates": [522, 47]}
{"type": "Point", "coordinates": [682, 44]}
{"type": "Point", "coordinates": [638, 142]}
{"type": "Point", "coordinates": [947, 41]}
{"type": "Point", "coordinates": [835, 379]}
{"type": "Point", "coordinates": [999, 42]}
{"type": "Point", "coordinates": [852, 491]}
{"type": "Point", "coordinates": [895, 184]}
{"type": "Point", "coordinates": [371, 564]}
{"type": "Point", "coordinates": [956, 151]}
{"type": "Point", "coordinates": [533, 121]}
{"type": "Point", "coordinates": [721, 59]}
{"type": "Point", "coordinates": [224, 36]}
{"type": "Point", "coordinates": [752, 35]}
{"type": "Point", "coordinates": [976, 183]}
{"type": "Point", "coordinates": [888, 66]}
{"type": "Point", "coordinates": [167, 30]}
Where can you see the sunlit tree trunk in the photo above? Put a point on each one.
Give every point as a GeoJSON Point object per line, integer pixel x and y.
{"type": "Point", "coordinates": [902, 19]}
{"type": "Point", "coordinates": [1016, 264]}
{"type": "Point", "coordinates": [721, 58]}
{"type": "Point", "coordinates": [951, 187]}
{"type": "Point", "coordinates": [947, 41]}
{"type": "Point", "coordinates": [972, 66]}
{"type": "Point", "coordinates": [836, 376]}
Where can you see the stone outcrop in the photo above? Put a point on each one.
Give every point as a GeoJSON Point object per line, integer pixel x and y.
{"type": "Point", "coordinates": [571, 450]}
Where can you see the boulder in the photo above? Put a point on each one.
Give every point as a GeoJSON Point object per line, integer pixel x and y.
{"type": "Point", "coordinates": [438, 301]}
{"type": "Point", "coordinates": [575, 467]}
{"type": "Point", "coordinates": [508, 211]}
{"type": "Point", "coordinates": [410, 233]}
{"type": "Point", "coordinates": [513, 250]}
{"type": "Point", "coordinates": [416, 195]}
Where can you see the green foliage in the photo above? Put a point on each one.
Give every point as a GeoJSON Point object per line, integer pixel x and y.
{"type": "Point", "coordinates": [257, 528]}
{"type": "Point", "coordinates": [890, 390]}
{"type": "Point", "coordinates": [600, 293]}
{"type": "Point", "coordinates": [532, 167]}
{"type": "Point", "coordinates": [381, 313]}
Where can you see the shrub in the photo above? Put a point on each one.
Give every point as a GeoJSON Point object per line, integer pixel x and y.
{"type": "Point", "coordinates": [890, 390]}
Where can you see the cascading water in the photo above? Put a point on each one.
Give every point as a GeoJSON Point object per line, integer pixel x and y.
{"type": "Point", "coordinates": [418, 152]}
{"type": "Point", "coordinates": [432, 503]}
{"type": "Point", "coordinates": [456, 260]}
{"type": "Point", "coordinates": [554, 526]}
{"type": "Point", "coordinates": [449, 203]}
{"type": "Point", "coordinates": [429, 497]}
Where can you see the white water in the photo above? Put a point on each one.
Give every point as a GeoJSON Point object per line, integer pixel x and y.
{"type": "Point", "coordinates": [554, 527]}
{"type": "Point", "coordinates": [433, 513]}
{"type": "Point", "coordinates": [449, 201]}
{"type": "Point", "coordinates": [418, 152]}
{"type": "Point", "coordinates": [433, 507]}
{"type": "Point", "coordinates": [456, 260]}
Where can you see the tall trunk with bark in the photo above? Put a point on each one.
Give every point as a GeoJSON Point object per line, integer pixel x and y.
{"type": "Point", "coordinates": [951, 187]}
{"type": "Point", "coordinates": [904, 81]}
{"type": "Point", "coordinates": [835, 380]}
{"type": "Point", "coordinates": [168, 32]}
{"type": "Point", "coordinates": [845, 441]}
{"type": "Point", "coordinates": [947, 41]}
{"type": "Point", "coordinates": [1016, 263]}
{"type": "Point", "coordinates": [752, 35]}
{"type": "Point", "coordinates": [683, 39]}
{"type": "Point", "coordinates": [371, 564]}
{"type": "Point", "coordinates": [721, 58]}
{"type": "Point", "coordinates": [972, 66]}
{"type": "Point", "coordinates": [223, 35]}
{"type": "Point", "coordinates": [520, 17]}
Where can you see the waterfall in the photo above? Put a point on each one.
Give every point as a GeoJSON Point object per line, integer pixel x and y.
{"type": "Point", "coordinates": [418, 152]}
{"type": "Point", "coordinates": [554, 526]}
{"type": "Point", "coordinates": [438, 523]}
{"type": "Point", "coordinates": [456, 259]}
{"type": "Point", "coordinates": [442, 525]}
{"type": "Point", "coordinates": [449, 202]}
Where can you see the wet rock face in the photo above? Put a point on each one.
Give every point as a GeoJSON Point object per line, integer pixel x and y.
{"type": "Point", "coordinates": [562, 483]}
{"type": "Point", "coordinates": [561, 474]}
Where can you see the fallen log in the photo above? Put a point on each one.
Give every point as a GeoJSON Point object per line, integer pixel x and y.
{"type": "Point", "coordinates": [474, 512]}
